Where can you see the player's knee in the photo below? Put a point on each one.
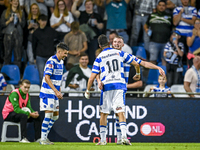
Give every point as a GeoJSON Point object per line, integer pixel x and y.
{"type": "Point", "coordinates": [55, 117]}
{"type": "Point", "coordinates": [49, 115]}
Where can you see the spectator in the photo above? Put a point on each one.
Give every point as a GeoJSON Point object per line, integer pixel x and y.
{"type": "Point", "coordinates": [171, 4]}
{"type": "Point", "coordinates": [61, 18]}
{"type": "Point", "coordinates": [192, 77]}
{"type": "Point", "coordinates": [142, 11]}
{"type": "Point", "coordinates": [173, 53]}
{"type": "Point", "coordinates": [77, 43]}
{"type": "Point", "coordinates": [183, 18]}
{"type": "Point", "coordinates": [98, 51]}
{"type": "Point", "coordinates": [133, 85]}
{"type": "Point", "coordinates": [94, 22]}
{"type": "Point", "coordinates": [193, 42]}
{"type": "Point", "coordinates": [78, 76]}
{"type": "Point", "coordinates": [160, 24]}
{"type": "Point", "coordinates": [32, 26]}
{"type": "Point", "coordinates": [42, 4]}
{"type": "Point", "coordinates": [2, 8]}
{"type": "Point", "coordinates": [125, 48]}
{"type": "Point", "coordinates": [3, 83]}
{"type": "Point", "coordinates": [195, 3]}
{"type": "Point", "coordinates": [12, 110]}
{"type": "Point", "coordinates": [12, 22]}
{"type": "Point", "coordinates": [68, 4]}
{"type": "Point", "coordinates": [161, 87]}
{"type": "Point", "coordinates": [198, 16]}
{"type": "Point", "coordinates": [116, 12]}
{"type": "Point", "coordinates": [43, 44]}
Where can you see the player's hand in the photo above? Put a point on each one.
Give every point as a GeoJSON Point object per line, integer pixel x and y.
{"type": "Point", "coordinates": [59, 95]}
{"type": "Point", "coordinates": [136, 77]}
{"type": "Point", "coordinates": [168, 92]}
{"type": "Point", "coordinates": [34, 115]}
{"type": "Point", "coordinates": [87, 94]}
{"type": "Point", "coordinates": [100, 85]}
{"type": "Point", "coordinates": [161, 71]}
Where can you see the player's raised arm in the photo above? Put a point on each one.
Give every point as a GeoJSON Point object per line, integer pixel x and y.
{"type": "Point", "coordinates": [152, 66]}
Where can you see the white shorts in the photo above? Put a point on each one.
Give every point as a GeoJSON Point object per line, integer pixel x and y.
{"type": "Point", "coordinates": [49, 104]}
{"type": "Point", "coordinates": [113, 100]}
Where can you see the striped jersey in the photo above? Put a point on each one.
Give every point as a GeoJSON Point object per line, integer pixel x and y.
{"type": "Point", "coordinates": [158, 89]}
{"type": "Point", "coordinates": [110, 65]}
{"type": "Point", "coordinates": [53, 68]}
{"type": "Point", "coordinates": [198, 16]}
{"type": "Point", "coordinates": [2, 82]}
{"type": "Point", "coordinates": [183, 27]}
{"type": "Point", "coordinates": [169, 49]}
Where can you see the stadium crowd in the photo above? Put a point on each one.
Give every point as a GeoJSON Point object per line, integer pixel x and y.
{"type": "Point", "coordinates": [168, 32]}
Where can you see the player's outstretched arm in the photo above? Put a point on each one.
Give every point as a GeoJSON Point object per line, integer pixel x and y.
{"type": "Point", "coordinates": [137, 68]}
{"type": "Point", "coordinates": [100, 84]}
{"type": "Point", "coordinates": [89, 85]}
{"type": "Point", "coordinates": [152, 66]}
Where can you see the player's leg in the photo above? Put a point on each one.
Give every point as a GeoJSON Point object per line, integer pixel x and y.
{"type": "Point", "coordinates": [119, 137]}
{"type": "Point", "coordinates": [103, 128]}
{"type": "Point", "coordinates": [104, 111]}
{"type": "Point", "coordinates": [119, 108]}
{"type": "Point", "coordinates": [47, 105]}
{"type": "Point", "coordinates": [22, 118]}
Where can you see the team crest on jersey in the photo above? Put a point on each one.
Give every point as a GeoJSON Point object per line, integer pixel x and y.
{"type": "Point", "coordinates": [50, 66]}
{"type": "Point", "coordinates": [51, 105]}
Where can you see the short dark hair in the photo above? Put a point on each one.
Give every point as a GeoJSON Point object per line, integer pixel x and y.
{"type": "Point", "coordinates": [43, 17]}
{"type": "Point", "coordinates": [114, 32]}
{"type": "Point", "coordinates": [21, 82]}
{"type": "Point", "coordinates": [164, 1]}
{"type": "Point", "coordinates": [103, 40]}
{"type": "Point", "coordinates": [75, 26]}
{"type": "Point", "coordinates": [62, 45]}
{"type": "Point", "coordinates": [83, 54]}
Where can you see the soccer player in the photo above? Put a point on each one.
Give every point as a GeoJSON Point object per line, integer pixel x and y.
{"type": "Point", "coordinates": [113, 86]}
{"type": "Point", "coordinates": [110, 61]}
{"type": "Point", "coordinates": [50, 91]}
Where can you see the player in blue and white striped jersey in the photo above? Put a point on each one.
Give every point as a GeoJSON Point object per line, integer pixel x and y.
{"type": "Point", "coordinates": [184, 17]}
{"type": "Point", "coordinates": [109, 64]}
{"type": "Point", "coordinates": [50, 91]}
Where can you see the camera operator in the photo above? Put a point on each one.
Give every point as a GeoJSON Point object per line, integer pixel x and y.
{"type": "Point", "coordinates": [173, 53]}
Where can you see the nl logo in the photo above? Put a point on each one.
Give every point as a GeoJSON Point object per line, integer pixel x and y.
{"type": "Point", "coordinates": [152, 129]}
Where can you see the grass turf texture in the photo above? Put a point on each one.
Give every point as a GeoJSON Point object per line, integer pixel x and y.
{"type": "Point", "coordinates": [92, 146]}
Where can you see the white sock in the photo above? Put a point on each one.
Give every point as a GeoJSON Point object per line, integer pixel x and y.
{"type": "Point", "coordinates": [118, 129]}
{"type": "Point", "coordinates": [51, 123]}
{"type": "Point", "coordinates": [103, 130]}
{"type": "Point", "coordinates": [123, 129]}
{"type": "Point", "coordinates": [45, 125]}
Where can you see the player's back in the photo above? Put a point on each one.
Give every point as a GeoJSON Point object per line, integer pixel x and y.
{"type": "Point", "coordinates": [110, 65]}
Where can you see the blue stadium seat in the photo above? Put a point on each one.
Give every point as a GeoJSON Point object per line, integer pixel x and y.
{"type": "Point", "coordinates": [13, 72]}
{"type": "Point", "coordinates": [163, 67]}
{"type": "Point", "coordinates": [141, 53]}
{"type": "Point", "coordinates": [134, 49]}
{"type": "Point", "coordinates": [31, 73]}
{"type": "Point", "coordinates": [153, 76]}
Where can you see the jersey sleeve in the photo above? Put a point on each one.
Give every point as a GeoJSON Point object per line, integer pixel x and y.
{"type": "Point", "coordinates": [96, 65]}
{"type": "Point", "coordinates": [49, 68]}
{"type": "Point", "coordinates": [127, 58]}
{"type": "Point", "coordinates": [136, 59]}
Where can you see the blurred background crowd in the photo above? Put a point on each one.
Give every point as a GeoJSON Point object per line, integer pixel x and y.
{"type": "Point", "coordinates": [164, 32]}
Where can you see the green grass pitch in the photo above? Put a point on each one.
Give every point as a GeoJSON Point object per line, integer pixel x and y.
{"type": "Point", "coordinates": [92, 146]}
